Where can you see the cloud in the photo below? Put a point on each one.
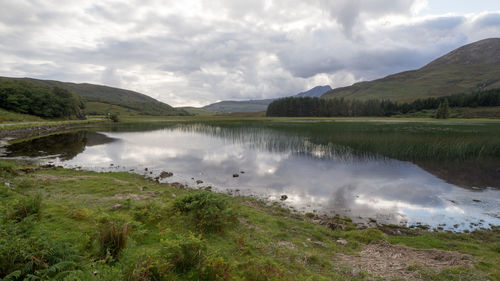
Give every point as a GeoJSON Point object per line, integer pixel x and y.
{"type": "Point", "coordinates": [197, 52]}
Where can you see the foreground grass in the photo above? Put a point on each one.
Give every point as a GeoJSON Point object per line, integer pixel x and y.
{"type": "Point", "coordinates": [60, 224]}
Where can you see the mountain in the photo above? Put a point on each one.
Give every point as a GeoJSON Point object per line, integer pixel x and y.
{"type": "Point", "coordinates": [100, 99]}
{"type": "Point", "coordinates": [259, 105]}
{"type": "Point", "coordinates": [317, 91]}
{"type": "Point", "coordinates": [469, 68]}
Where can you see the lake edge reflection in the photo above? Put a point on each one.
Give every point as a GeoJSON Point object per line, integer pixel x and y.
{"type": "Point", "coordinates": [313, 176]}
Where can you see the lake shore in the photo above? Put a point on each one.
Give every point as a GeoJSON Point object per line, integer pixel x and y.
{"type": "Point", "coordinates": [23, 130]}
{"type": "Point", "coordinates": [258, 240]}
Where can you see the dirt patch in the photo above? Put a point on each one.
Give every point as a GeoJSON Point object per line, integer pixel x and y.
{"type": "Point", "coordinates": [52, 177]}
{"type": "Point", "coordinates": [395, 261]}
{"type": "Point", "coordinates": [124, 196]}
{"type": "Point", "coordinates": [121, 182]}
{"type": "Point", "coordinates": [251, 226]}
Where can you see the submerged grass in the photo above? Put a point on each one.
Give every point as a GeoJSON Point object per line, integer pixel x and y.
{"type": "Point", "coordinates": [85, 233]}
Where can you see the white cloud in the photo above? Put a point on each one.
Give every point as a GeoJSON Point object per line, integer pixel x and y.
{"type": "Point", "coordinates": [196, 52]}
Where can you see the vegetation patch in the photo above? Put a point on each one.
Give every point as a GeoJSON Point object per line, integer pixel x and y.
{"type": "Point", "coordinates": [76, 235]}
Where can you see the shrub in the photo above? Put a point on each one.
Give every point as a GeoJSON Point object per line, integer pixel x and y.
{"type": "Point", "coordinates": [25, 207]}
{"type": "Point", "coordinates": [27, 255]}
{"type": "Point", "coordinates": [148, 212]}
{"type": "Point", "coordinates": [114, 117]}
{"type": "Point", "coordinates": [216, 269]}
{"type": "Point", "coordinates": [7, 170]}
{"type": "Point", "coordinates": [183, 253]}
{"type": "Point", "coordinates": [146, 268]}
{"type": "Point", "coordinates": [210, 212]}
{"type": "Point", "coordinates": [262, 271]}
{"type": "Point", "coordinates": [112, 237]}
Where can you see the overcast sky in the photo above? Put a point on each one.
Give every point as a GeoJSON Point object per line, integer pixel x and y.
{"type": "Point", "coordinates": [198, 52]}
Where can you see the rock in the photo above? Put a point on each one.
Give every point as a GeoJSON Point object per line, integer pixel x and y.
{"type": "Point", "coordinates": [116, 206]}
{"type": "Point", "coordinates": [355, 272]}
{"type": "Point", "coordinates": [335, 226]}
{"type": "Point", "coordinates": [27, 170]}
{"type": "Point", "coordinates": [199, 182]}
{"type": "Point", "coordinates": [173, 195]}
{"type": "Point", "coordinates": [283, 197]}
{"type": "Point", "coordinates": [475, 200]}
{"type": "Point", "coordinates": [141, 188]}
{"type": "Point", "coordinates": [321, 244]}
{"type": "Point", "coordinates": [235, 175]}
{"type": "Point", "coordinates": [208, 188]}
{"type": "Point", "coordinates": [178, 185]}
{"type": "Point", "coordinates": [166, 174]}
{"type": "Point", "coordinates": [341, 241]}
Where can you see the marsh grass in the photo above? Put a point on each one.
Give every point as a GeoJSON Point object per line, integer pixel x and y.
{"type": "Point", "coordinates": [112, 237]}
{"type": "Point", "coordinates": [24, 207]}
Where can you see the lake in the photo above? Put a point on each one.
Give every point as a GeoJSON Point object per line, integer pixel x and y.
{"type": "Point", "coordinates": [444, 175]}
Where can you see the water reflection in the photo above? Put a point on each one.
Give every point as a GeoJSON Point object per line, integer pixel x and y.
{"type": "Point", "coordinates": [329, 178]}
{"type": "Point", "coordinates": [66, 146]}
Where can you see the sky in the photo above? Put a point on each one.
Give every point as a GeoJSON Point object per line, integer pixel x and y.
{"type": "Point", "coordinates": [193, 52]}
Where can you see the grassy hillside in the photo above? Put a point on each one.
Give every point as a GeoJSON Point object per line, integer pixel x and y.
{"type": "Point", "coordinates": [8, 116]}
{"type": "Point", "coordinates": [473, 67]}
{"type": "Point", "coordinates": [109, 95]}
{"type": "Point", "coordinates": [197, 111]}
{"type": "Point", "coordinates": [259, 105]}
{"type": "Point", "coordinates": [239, 106]}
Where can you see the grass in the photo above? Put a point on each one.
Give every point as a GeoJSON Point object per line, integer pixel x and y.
{"type": "Point", "coordinates": [9, 117]}
{"type": "Point", "coordinates": [197, 111]}
{"type": "Point", "coordinates": [15, 126]}
{"type": "Point", "coordinates": [149, 239]}
{"type": "Point", "coordinates": [426, 82]}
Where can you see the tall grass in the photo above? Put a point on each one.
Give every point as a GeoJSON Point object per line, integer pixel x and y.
{"type": "Point", "coordinates": [25, 207]}
{"type": "Point", "coordinates": [112, 237]}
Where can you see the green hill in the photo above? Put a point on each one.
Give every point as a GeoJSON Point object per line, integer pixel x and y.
{"type": "Point", "coordinates": [99, 99]}
{"type": "Point", "coordinates": [259, 105]}
{"type": "Point", "coordinates": [470, 68]}
{"type": "Point", "coordinates": [197, 111]}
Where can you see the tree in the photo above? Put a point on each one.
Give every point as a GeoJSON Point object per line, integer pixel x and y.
{"type": "Point", "coordinates": [443, 110]}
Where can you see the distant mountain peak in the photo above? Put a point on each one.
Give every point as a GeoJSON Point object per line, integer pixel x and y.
{"type": "Point", "coordinates": [486, 51]}
{"type": "Point", "coordinates": [315, 92]}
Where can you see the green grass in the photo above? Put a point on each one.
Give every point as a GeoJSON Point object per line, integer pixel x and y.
{"type": "Point", "coordinates": [15, 126]}
{"type": "Point", "coordinates": [10, 117]}
{"type": "Point", "coordinates": [197, 111]}
{"type": "Point", "coordinates": [100, 108]}
{"type": "Point", "coordinates": [265, 242]}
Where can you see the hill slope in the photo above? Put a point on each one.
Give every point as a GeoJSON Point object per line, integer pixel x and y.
{"type": "Point", "coordinates": [472, 67]}
{"type": "Point", "coordinates": [110, 98]}
{"type": "Point", "coordinates": [259, 105]}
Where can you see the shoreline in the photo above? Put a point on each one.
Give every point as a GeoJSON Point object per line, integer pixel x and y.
{"type": "Point", "coordinates": [36, 129]}
{"type": "Point", "coordinates": [75, 201]}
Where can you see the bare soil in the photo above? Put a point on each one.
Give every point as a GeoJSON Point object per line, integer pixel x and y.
{"type": "Point", "coordinates": [396, 262]}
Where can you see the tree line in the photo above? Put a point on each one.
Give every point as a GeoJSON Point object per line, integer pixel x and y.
{"type": "Point", "coordinates": [341, 107]}
{"type": "Point", "coordinates": [48, 102]}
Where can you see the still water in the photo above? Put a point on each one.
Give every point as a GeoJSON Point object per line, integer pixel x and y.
{"type": "Point", "coordinates": [317, 172]}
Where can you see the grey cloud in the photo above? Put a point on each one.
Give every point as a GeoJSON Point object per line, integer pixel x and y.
{"type": "Point", "coordinates": [489, 20]}
{"type": "Point", "coordinates": [229, 50]}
